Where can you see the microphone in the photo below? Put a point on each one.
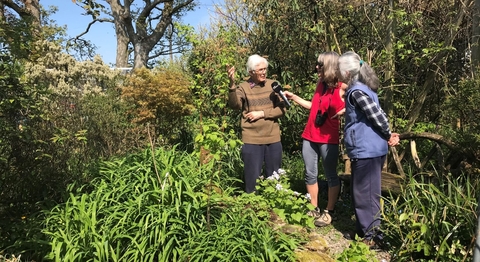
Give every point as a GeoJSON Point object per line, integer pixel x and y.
{"type": "Point", "coordinates": [279, 90]}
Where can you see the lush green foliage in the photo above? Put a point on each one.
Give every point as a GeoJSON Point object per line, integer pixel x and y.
{"type": "Point", "coordinates": [461, 109]}
{"type": "Point", "coordinates": [432, 220]}
{"type": "Point", "coordinates": [51, 133]}
{"type": "Point", "coordinates": [206, 63]}
{"type": "Point", "coordinates": [289, 205]}
{"type": "Point", "coordinates": [20, 168]}
{"type": "Point", "coordinates": [59, 117]}
{"type": "Point", "coordinates": [240, 237]}
{"type": "Point", "coordinates": [154, 206]}
{"type": "Point", "coordinates": [17, 35]}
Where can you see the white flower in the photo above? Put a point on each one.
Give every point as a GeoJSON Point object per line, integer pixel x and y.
{"type": "Point", "coordinates": [296, 193]}
{"type": "Point", "coordinates": [281, 171]}
{"type": "Point", "coordinates": [307, 196]}
{"type": "Point", "coordinates": [274, 176]}
{"type": "Point", "coordinates": [278, 187]}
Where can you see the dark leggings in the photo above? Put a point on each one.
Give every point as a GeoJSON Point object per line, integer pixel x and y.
{"type": "Point", "coordinates": [254, 156]}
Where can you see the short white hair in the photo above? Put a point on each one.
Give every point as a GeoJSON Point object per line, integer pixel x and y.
{"type": "Point", "coordinates": [253, 61]}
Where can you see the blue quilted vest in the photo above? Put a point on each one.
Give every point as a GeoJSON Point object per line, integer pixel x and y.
{"type": "Point", "coordinates": [362, 139]}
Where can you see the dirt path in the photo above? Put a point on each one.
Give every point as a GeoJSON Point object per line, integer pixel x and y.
{"type": "Point", "coordinates": [337, 243]}
{"type": "Point", "coordinates": [344, 222]}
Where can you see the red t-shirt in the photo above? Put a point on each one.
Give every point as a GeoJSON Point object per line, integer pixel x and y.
{"type": "Point", "coordinates": [328, 133]}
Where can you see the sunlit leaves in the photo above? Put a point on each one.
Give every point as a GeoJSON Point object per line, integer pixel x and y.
{"type": "Point", "coordinates": [212, 52]}
{"type": "Point", "coordinates": [135, 212]}
{"type": "Point", "coordinates": [159, 94]}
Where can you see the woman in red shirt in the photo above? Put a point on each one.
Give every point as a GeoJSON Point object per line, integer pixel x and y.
{"type": "Point", "coordinates": [321, 134]}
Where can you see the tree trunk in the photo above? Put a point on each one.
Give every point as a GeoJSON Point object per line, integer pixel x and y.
{"type": "Point", "coordinates": [389, 77]}
{"type": "Point", "coordinates": [133, 27]}
{"type": "Point", "coordinates": [475, 63]}
{"type": "Point", "coordinates": [33, 8]}
{"type": "Point", "coordinates": [118, 13]}
{"type": "Point", "coordinates": [389, 74]}
{"type": "Point", "coordinates": [141, 56]}
{"type": "Point", "coordinates": [475, 36]}
{"type": "Point", "coordinates": [30, 9]}
{"type": "Point", "coordinates": [2, 12]}
{"type": "Point", "coordinates": [121, 59]}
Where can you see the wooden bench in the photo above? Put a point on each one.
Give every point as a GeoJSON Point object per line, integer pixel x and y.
{"type": "Point", "coordinates": [390, 182]}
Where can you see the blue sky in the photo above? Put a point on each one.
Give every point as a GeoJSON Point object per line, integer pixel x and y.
{"type": "Point", "coordinates": [103, 34]}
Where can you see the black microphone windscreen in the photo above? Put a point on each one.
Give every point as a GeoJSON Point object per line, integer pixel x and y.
{"type": "Point", "coordinates": [276, 87]}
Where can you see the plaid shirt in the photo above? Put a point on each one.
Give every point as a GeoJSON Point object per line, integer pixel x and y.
{"type": "Point", "coordinates": [373, 112]}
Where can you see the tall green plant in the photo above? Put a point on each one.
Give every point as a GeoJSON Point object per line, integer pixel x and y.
{"type": "Point", "coordinates": [212, 51]}
{"type": "Point", "coordinates": [153, 205]}
{"type": "Point", "coordinates": [241, 236]}
{"type": "Point", "coordinates": [134, 212]}
{"type": "Point", "coordinates": [432, 220]}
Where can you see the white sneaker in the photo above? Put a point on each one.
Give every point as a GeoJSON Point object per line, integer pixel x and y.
{"type": "Point", "coordinates": [314, 213]}
{"type": "Point", "coordinates": [324, 219]}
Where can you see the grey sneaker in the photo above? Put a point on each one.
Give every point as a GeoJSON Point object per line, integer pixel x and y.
{"type": "Point", "coordinates": [324, 219]}
{"type": "Point", "coordinates": [314, 213]}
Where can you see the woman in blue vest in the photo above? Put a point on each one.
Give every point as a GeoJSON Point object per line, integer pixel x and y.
{"type": "Point", "coordinates": [367, 137]}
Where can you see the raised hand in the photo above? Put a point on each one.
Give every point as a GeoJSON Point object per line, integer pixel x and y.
{"type": "Point", "coordinates": [231, 74]}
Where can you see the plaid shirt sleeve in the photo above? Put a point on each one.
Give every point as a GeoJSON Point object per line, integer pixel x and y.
{"type": "Point", "coordinates": [373, 112]}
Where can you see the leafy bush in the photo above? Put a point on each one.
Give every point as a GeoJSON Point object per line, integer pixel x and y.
{"type": "Point", "coordinates": [358, 252]}
{"type": "Point", "coordinates": [138, 210]}
{"type": "Point", "coordinates": [161, 97]}
{"type": "Point", "coordinates": [289, 205]}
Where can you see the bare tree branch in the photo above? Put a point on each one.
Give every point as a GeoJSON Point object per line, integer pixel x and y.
{"type": "Point", "coordinates": [18, 9]}
{"type": "Point", "coordinates": [466, 152]}
{"type": "Point", "coordinates": [100, 20]}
